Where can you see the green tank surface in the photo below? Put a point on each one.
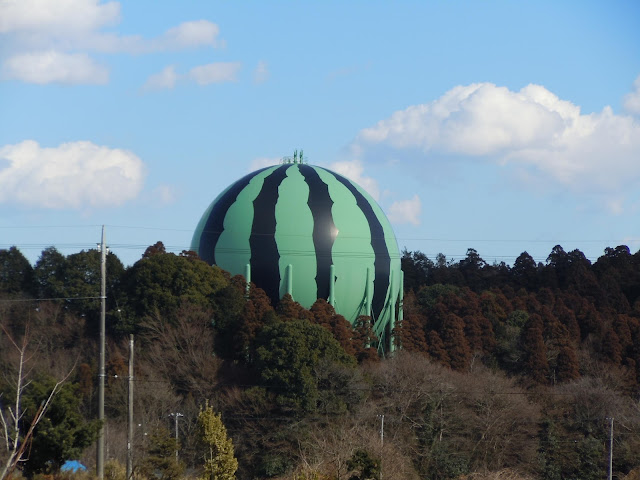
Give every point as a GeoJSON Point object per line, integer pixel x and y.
{"type": "Point", "coordinates": [307, 231]}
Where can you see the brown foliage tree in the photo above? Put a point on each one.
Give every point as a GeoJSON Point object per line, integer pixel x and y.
{"type": "Point", "coordinates": [567, 364]}
{"type": "Point", "coordinates": [289, 309]}
{"type": "Point", "coordinates": [455, 343]}
{"type": "Point", "coordinates": [410, 332]}
{"type": "Point", "coordinates": [535, 362]}
{"type": "Point", "coordinates": [363, 340]}
{"type": "Point", "coordinates": [437, 350]}
{"type": "Point", "coordinates": [611, 348]}
{"type": "Point", "coordinates": [323, 313]}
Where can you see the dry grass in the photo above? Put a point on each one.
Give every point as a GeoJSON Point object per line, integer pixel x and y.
{"type": "Point", "coordinates": [633, 474]}
{"type": "Point", "coordinates": [506, 474]}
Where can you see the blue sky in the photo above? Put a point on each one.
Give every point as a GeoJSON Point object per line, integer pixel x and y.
{"type": "Point", "coordinates": [500, 126]}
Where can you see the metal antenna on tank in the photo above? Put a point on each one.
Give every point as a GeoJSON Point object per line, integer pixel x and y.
{"type": "Point", "coordinates": [294, 159]}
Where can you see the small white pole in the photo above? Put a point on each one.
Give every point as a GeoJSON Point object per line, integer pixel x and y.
{"type": "Point", "coordinates": [611, 448]}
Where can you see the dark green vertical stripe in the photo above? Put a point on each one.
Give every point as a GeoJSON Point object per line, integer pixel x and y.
{"type": "Point", "coordinates": [324, 230]}
{"type": "Point", "coordinates": [382, 260]}
{"type": "Point", "coordinates": [265, 258]}
{"type": "Point", "coordinates": [215, 222]}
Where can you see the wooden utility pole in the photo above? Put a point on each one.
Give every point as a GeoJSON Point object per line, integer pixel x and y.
{"type": "Point", "coordinates": [176, 416]}
{"type": "Point", "coordinates": [101, 374]}
{"type": "Point", "coordinates": [130, 408]}
{"type": "Point", "coordinates": [611, 448]}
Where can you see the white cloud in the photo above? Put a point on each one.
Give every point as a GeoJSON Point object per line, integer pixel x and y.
{"type": "Point", "coordinates": [214, 73]}
{"type": "Point", "coordinates": [262, 162]}
{"type": "Point", "coordinates": [73, 175]}
{"type": "Point", "coordinates": [406, 211]}
{"type": "Point", "coordinates": [353, 170]}
{"type": "Point", "coordinates": [60, 17]}
{"type": "Point", "coordinates": [615, 205]}
{"type": "Point", "coordinates": [531, 129]}
{"type": "Point", "coordinates": [261, 73]}
{"type": "Point", "coordinates": [55, 67]}
{"type": "Point", "coordinates": [632, 100]}
{"type": "Point", "coordinates": [192, 34]}
{"type": "Point", "coordinates": [164, 195]}
{"type": "Point", "coordinates": [72, 29]}
{"type": "Point", "coordinates": [202, 75]}
{"type": "Point", "coordinates": [167, 78]}
{"type": "Point", "coordinates": [77, 24]}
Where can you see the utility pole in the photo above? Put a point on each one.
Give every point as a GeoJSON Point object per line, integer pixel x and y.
{"type": "Point", "coordinates": [381, 442]}
{"type": "Point", "coordinates": [610, 448]}
{"type": "Point", "coordinates": [101, 374]}
{"type": "Point", "coordinates": [130, 408]}
{"type": "Point", "coordinates": [176, 416]}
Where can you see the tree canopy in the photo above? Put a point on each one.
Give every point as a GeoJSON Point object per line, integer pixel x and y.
{"type": "Point", "coordinates": [499, 369]}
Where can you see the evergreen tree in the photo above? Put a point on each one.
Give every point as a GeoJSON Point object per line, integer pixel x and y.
{"type": "Point", "coordinates": [16, 273]}
{"type": "Point", "coordinates": [161, 463]}
{"type": "Point", "coordinates": [219, 460]}
{"type": "Point", "coordinates": [62, 433]}
{"type": "Point", "coordinates": [49, 273]}
{"type": "Point", "coordinates": [549, 452]}
{"type": "Point", "coordinates": [288, 357]}
{"type": "Point", "coordinates": [366, 467]}
{"type": "Point", "coordinates": [163, 281]}
{"type": "Point", "coordinates": [525, 271]}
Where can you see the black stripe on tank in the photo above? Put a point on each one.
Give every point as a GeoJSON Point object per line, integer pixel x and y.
{"type": "Point", "coordinates": [215, 222]}
{"type": "Point", "coordinates": [324, 230]}
{"type": "Point", "coordinates": [382, 260]}
{"type": "Point", "coordinates": [265, 258]}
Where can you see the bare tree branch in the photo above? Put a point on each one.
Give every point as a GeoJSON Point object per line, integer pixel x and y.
{"type": "Point", "coordinates": [14, 449]}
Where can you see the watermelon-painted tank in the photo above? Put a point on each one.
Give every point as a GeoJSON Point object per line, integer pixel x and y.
{"type": "Point", "coordinates": [307, 231]}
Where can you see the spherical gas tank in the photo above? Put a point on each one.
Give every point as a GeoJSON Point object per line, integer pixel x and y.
{"type": "Point", "coordinates": [307, 231]}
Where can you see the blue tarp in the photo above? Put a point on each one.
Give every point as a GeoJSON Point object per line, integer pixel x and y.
{"type": "Point", "coordinates": [72, 466]}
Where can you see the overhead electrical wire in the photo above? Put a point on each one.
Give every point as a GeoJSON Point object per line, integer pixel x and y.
{"type": "Point", "coordinates": [179, 248]}
{"type": "Point", "coordinates": [452, 257]}
{"type": "Point", "coordinates": [10, 300]}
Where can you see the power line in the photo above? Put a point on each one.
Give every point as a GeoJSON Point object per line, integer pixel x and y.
{"type": "Point", "coordinates": [361, 389]}
{"type": "Point", "coordinates": [14, 300]}
{"type": "Point", "coordinates": [245, 251]}
{"type": "Point", "coordinates": [423, 239]}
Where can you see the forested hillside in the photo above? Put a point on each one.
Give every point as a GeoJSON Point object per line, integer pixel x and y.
{"type": "Point", "coordinates": [500, 372]}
